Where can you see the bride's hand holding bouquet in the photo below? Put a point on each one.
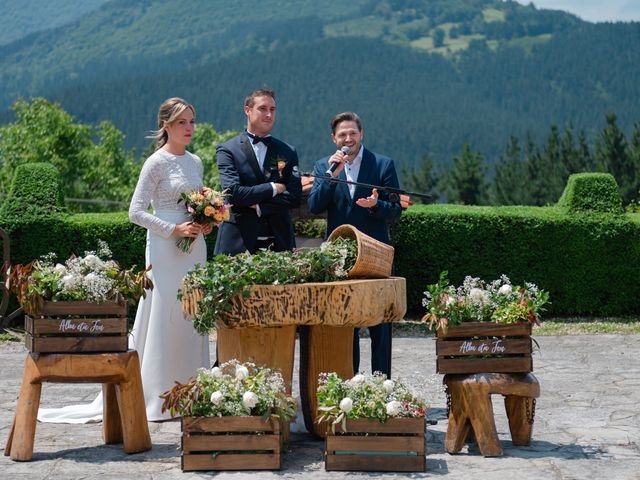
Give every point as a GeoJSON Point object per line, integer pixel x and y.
{"type": "Point", "coordinates": [206, 208]}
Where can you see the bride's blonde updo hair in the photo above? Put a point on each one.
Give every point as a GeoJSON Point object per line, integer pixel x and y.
{"type": "Point", "coordinates": [168, 112]}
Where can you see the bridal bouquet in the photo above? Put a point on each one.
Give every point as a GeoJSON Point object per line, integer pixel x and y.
{"type": "Point", "coordinates": [206, 207]}
{"type": "Point", "coordinates": [365, 396]}
{"type": "Point", "coordinates": [232, 389]}
{"type": "Point", "coordinates": [498, 301]}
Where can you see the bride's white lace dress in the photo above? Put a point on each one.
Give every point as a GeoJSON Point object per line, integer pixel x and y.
{"type": "Point", "coordinates": [168, 346]}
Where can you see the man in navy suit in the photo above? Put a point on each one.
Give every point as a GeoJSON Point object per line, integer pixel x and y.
{"type": "Point", "coordinates": [369, 211]}
{"type": "Point", "coordinates": [261, 175]}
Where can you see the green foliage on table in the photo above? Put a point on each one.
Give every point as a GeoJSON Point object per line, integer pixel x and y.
{"type": "Point", "coordinates": [591, 192]}
{"type": "Point", "coordinates": [224, 276]}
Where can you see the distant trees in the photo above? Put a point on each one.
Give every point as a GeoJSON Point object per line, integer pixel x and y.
{"type": "Point", "coordinates": [530, 174]}
{"type": "Point", "coordinates": [93, 162]}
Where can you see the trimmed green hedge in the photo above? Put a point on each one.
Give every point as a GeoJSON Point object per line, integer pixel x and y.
{"type": "Point", "coordinates": [35, 191]}
{"type": "Point", "coordinates": [595, 192]}
{"type": "Point", "coordinates": [589, 263]}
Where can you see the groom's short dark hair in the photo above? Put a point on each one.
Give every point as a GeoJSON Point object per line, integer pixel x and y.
{"type": "Point", "coordinates": [262, 92]}
{"type": "Point", "coordinates": [345, 117]}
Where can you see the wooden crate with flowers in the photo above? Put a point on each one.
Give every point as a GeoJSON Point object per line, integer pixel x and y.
{"type": "Point", "coordinates": [232, 417]}
{"type": "Point", "coordinates": [79, 306]}
{"type": "Point", "coordinates": [377, 425]}
{"type": "Point", "coordinates": [483, 327]}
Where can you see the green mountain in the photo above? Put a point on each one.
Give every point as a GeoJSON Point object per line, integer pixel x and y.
{"type": "Point", "coordinates": [25, 17]}
{"type": "Point", "coordinates": [425, 75]}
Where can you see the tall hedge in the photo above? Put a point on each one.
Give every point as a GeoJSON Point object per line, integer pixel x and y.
{"type": "Point", "coordinates": [590, 263]}
{"type": "Point", "coordinates": [35, 191]}
{"type": "Point", "coordinates": [591, 192]}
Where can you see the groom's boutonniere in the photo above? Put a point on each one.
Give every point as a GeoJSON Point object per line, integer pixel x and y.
{"type": "Point", "coordinates": [278, 164]}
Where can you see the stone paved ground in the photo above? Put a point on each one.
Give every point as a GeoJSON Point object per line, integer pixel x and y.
{"type": "Point", "coordinates": [587, 423]}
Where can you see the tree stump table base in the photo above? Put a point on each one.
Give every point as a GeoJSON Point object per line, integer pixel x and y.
{"type": "Point", "coordinates": [124, 415]}
{"type": "Point", "coordinates": [471, 410]}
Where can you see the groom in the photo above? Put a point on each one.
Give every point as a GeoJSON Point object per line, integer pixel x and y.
{"type": "Point", "coordinates": [368, 210]}
{"type": "Point", "coordinates": [261, 176]}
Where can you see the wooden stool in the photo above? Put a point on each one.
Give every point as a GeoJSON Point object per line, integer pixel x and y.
{"type": "Point", "coordinates": [124, 414]}
{"type": "Point", "coordinates": [471, 411]}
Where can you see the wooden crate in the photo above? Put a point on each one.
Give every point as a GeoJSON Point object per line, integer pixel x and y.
{"type": "Point", "coordinates": [231, 443]}
{"type": "Point", "coordinates": [77, 327]}
{"type": "Point", "coordinates": [477, 347]}
{"type": "Point", "coordinates": [398, 445]}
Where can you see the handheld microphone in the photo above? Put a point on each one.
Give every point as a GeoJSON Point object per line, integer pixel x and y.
{"type": "Point", "coordinates": [334, 166]}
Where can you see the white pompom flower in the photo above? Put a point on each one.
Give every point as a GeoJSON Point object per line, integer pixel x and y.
{"type": "Point", "coordinates": [249, 399]}
{"type": "Point", "coordinates": [505, 289]}
{"type": "Point", "coordinates": [387, 385]}
{"type": "Point", "coordinates": [216, 372]}
{"type": "Point", "coordinates": [394, 408]}
{"type": "Point", "coordinates": [241, 372]}
{"type": "Point", "coordinates": [346, 404]}
{"type": "Point", "coordinates": [357, 379]}
{"type": "Point", "coordinates": [217, 397]}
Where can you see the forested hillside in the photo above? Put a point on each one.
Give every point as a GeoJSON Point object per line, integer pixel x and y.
{"type": "Point", "coordinates": [427, 76]}
{"type": "Point", "coordinates": [24, 17]}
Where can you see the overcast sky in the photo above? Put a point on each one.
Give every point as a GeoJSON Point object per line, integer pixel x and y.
{"type": "Point", "coordinates": [594, 10]}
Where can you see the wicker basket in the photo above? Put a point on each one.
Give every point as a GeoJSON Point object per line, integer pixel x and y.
{"type": "Point", "coordinates": [374, 257]}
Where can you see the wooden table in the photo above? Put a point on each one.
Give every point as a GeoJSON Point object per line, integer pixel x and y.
{"type": "Point", "coordinates": [268, 317]}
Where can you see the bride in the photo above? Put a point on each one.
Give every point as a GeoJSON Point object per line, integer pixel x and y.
{"type": "Point", "coordinates": [169, 348]}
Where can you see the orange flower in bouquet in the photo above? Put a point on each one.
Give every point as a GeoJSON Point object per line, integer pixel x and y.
{"type": "Point", "coordinates": [206, 207]}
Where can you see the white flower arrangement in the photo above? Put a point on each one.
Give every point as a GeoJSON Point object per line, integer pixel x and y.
{"type": "Point", "coordinates": [88, 278]}
{"type": "Point", "coordinates": [232, 389]}
{"type": "Point", "coordinates": [498, 301]}
{"type": "Point", "coordinates": [365, 396]}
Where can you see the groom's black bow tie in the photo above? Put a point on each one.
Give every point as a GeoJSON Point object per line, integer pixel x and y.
{"type": "Point", "coordinates": [256, 139]}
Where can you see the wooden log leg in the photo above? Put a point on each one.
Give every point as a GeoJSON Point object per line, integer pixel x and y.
{"type": "Point", "coordinates": [520, 424]}
{"type": "Point", "coordinates": [459, 425]}
{"type": "Point", "coordinates": [477, 404]}
{"type": "Point", "coordinates": [322, 349]}
{"type": "Point", "coordinates": [135, 430]}
{"type": "Point", "coordinates": [24, 430]}
{"type": "Point", "coordinates": [111, 422]}
{"type": "Point", "coordinates": [7, 448]}
{"type": "Point", "coordinates": [273, 347]}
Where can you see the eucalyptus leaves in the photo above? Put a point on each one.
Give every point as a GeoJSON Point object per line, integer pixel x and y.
{"type": "Point", "coordinates": [207, 290]}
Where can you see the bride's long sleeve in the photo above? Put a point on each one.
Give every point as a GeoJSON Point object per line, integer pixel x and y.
{"type": "Point", "coordinates": [147, 184]}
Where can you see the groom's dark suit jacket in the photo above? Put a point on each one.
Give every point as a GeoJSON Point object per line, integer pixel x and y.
{"type": "Point", "coordinates": [247, 184]}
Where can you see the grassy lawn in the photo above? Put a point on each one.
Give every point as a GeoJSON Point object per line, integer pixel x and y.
{"type": "Point", "coordinates": [550, 326]}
